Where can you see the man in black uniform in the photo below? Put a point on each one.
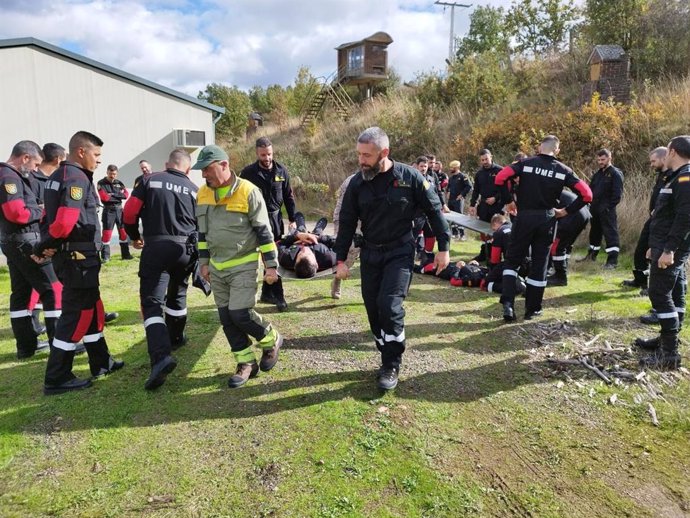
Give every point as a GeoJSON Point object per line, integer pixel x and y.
{"type": "Point", "coordinates": [112, 193]}
{"type": "Point", "coordinates": [421, 223]}
{"type": "Point", "coordinates": [541, 181]}
{"type": "Point", "coordinates": [166, 203]}
{"type": "Point", "coordinates": [19, 232]}
{"type": "Point", "coordinates": [486, 198]}
{"type": "Point", "coordinates": [274, 182]}
{"type": "Point", "coordinates": [459, 187]}
{"type": "Point", "coordinates": [607, 189]}
{"type": "Point", "coordinates": [307, 252]}
{"type": "Point", "coordinates": [73, 240]}
{"type": "Point", "coordinates": [568, 230]}
{"type": "Point", "coordinates": [146, 170]}
{"type": "Point", "coordinates": [385, 195]}
{"type": "Point", "coordinates": [657, 159]}
{"type": "Point", "coordinates": [669, 248]}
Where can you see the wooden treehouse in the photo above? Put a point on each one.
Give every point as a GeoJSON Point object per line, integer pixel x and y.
{"type": "Point", "coordinates": [360, 63]}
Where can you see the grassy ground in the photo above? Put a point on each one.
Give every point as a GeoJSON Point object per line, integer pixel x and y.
{"type": "Point", "coordinates": [478, 426]}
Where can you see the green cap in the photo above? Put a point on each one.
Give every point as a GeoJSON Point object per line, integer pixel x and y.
{"type": "Point", "coordinates": [208, 155]}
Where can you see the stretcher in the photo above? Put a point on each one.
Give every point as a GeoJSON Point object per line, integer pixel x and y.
{"type": "Point", "coordinates": [290, 274]}
{"type": "Point", "coordinates": [468, 222]}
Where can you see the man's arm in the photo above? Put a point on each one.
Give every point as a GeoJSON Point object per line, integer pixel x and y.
{"type": "Point", "coordinates": [132, 210]}
{"type": "Point", "coordinates": [681, 223]}
{"type": "Point", "coordinates": [258, 218]}
{"type": "Point", "coordinates": [348, 218]}
{"type": "Point", "coordinates": [73, 193]}
{"type": "Point", "coordinates": [14, 208]}
{"type": "Point", "coordinates": [289, 198]}
{"type": "Point", "coordinates": [616, 188]}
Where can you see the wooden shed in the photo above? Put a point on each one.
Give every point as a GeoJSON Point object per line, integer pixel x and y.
{"type": "Point", "coordinates": [364, 62]}
{"type": "Point", "coordinates": [609, 74]}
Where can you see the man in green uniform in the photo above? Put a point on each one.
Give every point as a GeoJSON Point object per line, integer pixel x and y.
{"type": "Point", "coordinates": [234, 231]}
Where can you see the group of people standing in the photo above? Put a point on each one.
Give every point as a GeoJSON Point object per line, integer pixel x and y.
{"type": "Point", "coordinates": [229, 232]}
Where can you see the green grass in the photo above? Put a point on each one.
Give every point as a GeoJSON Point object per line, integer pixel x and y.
{"type": "Point", "coordinates": [476, 427]}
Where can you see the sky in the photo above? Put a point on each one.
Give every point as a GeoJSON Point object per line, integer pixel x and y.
{"type": "Point", "coordinates": [186, 44]}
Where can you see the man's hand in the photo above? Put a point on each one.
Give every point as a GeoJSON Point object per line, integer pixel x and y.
{"type": "Point", "coordinates": [342, 272]}
{"type": "Point", "coordinates": [560, 213]}
{"type": "Point", "coordinates": [306, 237]}
{"type": "Point", "coordinates": [138, 244]}
{"type": "Point", "coordinates": [271, 275]}
{"type": "Point", "coordinates": [49, 252]}
{"type": "Point", "coordinates": [445, 208]}
{"type": "Point", "coordinates": [441, 261]}
{"type": "Point", "coordinates": [39, 260]}
{"type": "Point", "coordinates": [204, 272]}
{"type": "Point", "coordinates": [648, 255]}
{"type": "Point", "coordinates": [292, 225]}
{"type": "Point", "coordinates": [511, 208]}
{"type": "Point", "coordinates": [665, 260]}
{"type": "Point", "coordinates": [490, 201]}
{"type": "Point", "coordinates": [472, 211]}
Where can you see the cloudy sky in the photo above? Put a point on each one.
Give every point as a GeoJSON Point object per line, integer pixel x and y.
{"type": "Point", "coordinates": [187, 44]}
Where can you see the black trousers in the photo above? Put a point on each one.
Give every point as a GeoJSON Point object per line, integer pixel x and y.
{"type": "Point", "coordinates": [386, 278]}
{"type": "Point", "coordinates": [667, 289]}
{"type": "Point", "coordinates": [25, 275]}
{"type": "Point", "coordinates": [164, 273]}
{"type": "Point", "coordinates": [112, 217]}
{"type": "Point", "coordinates": [640, 260]}
{"type": "Point", "coordinates": [604, 223]}
{"type": "Point", "coordinates": [532, 230]}
{"type": "Point", "coordinates": [562, 246]}
{"type": "Point", "coordinates": [82, 317]}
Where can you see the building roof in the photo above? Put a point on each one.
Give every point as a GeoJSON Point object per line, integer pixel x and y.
{"type": "Point", "coordinates": [377, 37]}
{"type": "Point", "coordinates": [606, 53]}
{"type": "Point", "coordinates": [47, 47]}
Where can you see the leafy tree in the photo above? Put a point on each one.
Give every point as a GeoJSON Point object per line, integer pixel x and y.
{"type": "Point", "coordinates": [488, 32]}
{"type": "Point", "coordinates": [616, 22]}
{"type": "Point", "coordinates": [232, 125]}
{"type": "Point", "coordinates": [306, 85]}
{"type": "Point", "coordinates": [540, 26]}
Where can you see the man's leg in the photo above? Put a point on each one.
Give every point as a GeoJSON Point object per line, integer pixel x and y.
{"type": "Point", "coordinates": [609, 225]}
{"type": "Point", "coordinates": [640, 262]}
{"type": "Point", "coordinates": [595, 236]}
{"type": "Point", "coordinates": [108, 222]}
{"type": "Point", "coordinates": [371, 267]}
{"type": "Point", "coordinates": [536, 281]}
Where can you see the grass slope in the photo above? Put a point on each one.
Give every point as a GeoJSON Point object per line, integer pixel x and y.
{"type": "Point", "coordinates": [477, 427]}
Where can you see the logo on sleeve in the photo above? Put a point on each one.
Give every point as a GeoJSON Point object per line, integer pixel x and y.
{"type": "Point", "coordinates": [684, 178]}
{"type": "Point", "coordinates": [76, 193]}
{"type": "Point", "coordinates": [426, 185]}
{"type": "Point", "coordinates": [11, 188]}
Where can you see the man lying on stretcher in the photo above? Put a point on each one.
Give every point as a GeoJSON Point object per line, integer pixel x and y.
{"type": "Point", "coordinates": [307, 252]}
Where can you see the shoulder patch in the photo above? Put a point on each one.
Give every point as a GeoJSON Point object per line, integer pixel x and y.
{"type": "Point", "coordinates": [11, 188]}
{"type": "Point", "coordinates": [684, 178]}
{"type": "Point", "coordinates": [76, 193]}
{"type": "Point", "coordinates": [278, 178]}
{"type": "Point", "coordinates": [426, 185]}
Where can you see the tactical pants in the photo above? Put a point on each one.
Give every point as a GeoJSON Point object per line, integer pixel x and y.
{"type": "Point", "coordinates": [535, 229]}
{"type": "Point", "coordinates": [604, 223]}
{"type": "Point", "coordinates": [386, 278]}
{"type": "Point", "coordinates": [562, 246]}
{"type": "Point", "coordinates": [82, 317]}
{"type": "Point", "coordinates": [274, 293]}
{"type": "Point", "coordinates": [111, 217]}
{"type": "Point", "coordinates": [667, 289]}
{"type": "Point", "coordinates": [25, 275]}
{"type": "Point", "coordinates": [164, 276]}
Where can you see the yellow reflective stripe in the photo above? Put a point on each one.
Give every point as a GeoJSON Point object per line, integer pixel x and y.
{"type": "Point", "coordinates": [203, 245]}
{"type": "Point", "coordinates": [224, 265]}
{"type": "Point", "coordinates": [269, 247]}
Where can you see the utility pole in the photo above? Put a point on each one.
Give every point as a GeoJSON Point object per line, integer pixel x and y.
{"type": "Point", "coordinates": [451, 44]}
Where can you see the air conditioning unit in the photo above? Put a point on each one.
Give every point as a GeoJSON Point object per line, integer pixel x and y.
{"type": "Point", "coordinates": [189, 138]}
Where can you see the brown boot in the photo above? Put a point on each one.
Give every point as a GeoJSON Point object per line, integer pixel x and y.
{"type": "Point", "coordinates": [270, 356]}
{"type": "Point", "coordinates": [243, 373]}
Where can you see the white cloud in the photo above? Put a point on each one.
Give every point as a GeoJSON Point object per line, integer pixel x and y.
{"type": "Point", "coordinates": [187, 44]}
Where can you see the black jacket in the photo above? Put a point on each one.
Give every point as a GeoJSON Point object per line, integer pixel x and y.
{"type": "Point", "coordinates": [484, 185]}
{"type": "Point", "coordinates": [607, 188]}
{"type": "Point", "coordinates": [19, 210]}
{"type": "Point", "coordinates": [670, 226]}
{"type": "Point", "coordinates": [458, 185]}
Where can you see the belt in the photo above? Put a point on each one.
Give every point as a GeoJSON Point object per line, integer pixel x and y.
{"type": "Point", "coordinates": [174, 239]}
{"type": "Point", "coordinates": [79, 246]}
{"type": "Point", "coordinates": [385, 247]}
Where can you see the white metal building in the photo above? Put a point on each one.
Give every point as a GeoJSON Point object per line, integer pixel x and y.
{"type": "Point", "coordinates": [47, 94]}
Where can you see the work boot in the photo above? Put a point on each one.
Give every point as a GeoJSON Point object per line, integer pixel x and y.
{"type": "Point", "coordinates": [320, 226]}
{"type": "Point", "coordinates": [113, 365]}
{"type": "Point", "coordinates": [529, 315]}
{"type": "Point", "coordinates": [335, 288]}
{"type": "Point", "coordinates": [300, 222]}
{"type": "Point", "coordinates": [267, 296]}
{"type": "Point", "coordinates": [611, 261]}
{"type": "Point", "coordinates": [67, 386]}
{"type": "Point", "coordinates": [644, 292]}
{"type": "Point", "coordinates": [666, 357]}
{"type": "Point", "coordinates": [556, 279]}
{"type": "Point", "coordinates": [591, 256]}
{"type": "Point", "coordinates": [277, 289]}
{"type": "Point", "coordinates": [109, 317]}
{"type": "Point", "coordinates": [648, 344]}
{"type": "Point", "coordinates": [244, 372]}
{"type": "Point", "coordinates": [639, 280]}
{"type": "Point", "coordinates": [160, 371]}
{"type": "Point", "coordinates": [650, 318]}
{"type": "Point", "coordinates": [124, 251]}
{"type": "Point", "coordinates": [387, 378]}
{"type": "Point", "coordinates": [105, 253]}
{"type": "Point", "coordinates": [508, 312]}
{"type": "Point", "coordinates": [269, 357]}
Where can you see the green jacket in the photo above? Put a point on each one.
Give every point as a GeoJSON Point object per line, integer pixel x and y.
{"type": "Point", "coordinates": [234, 230]}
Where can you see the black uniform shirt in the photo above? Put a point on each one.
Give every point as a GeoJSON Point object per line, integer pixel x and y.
{"type": "Point", "coordinates": [542, 179]}
{"type": "Point", "coordinates": [574, 220]}
{"type": "Point", "coordinates": [459, 184]}
{"type": "Point", "coordinates": [670, 226]}
{"type": "Point", "coordinates": [386, 206]}
{"type": "Point", "coordinates": [661, 178]}
{"type": "Point", "coordinates": [70, 208]}
{"type": "Point", "coordinates": [500, 242]}
{"type": "Point", "coordinates": [323, 252]}
{"type": "Point", "coordinates": [19, 210]}
{"type": "Point", "coordinates": [484, 185]}
{"type": "Point", "coordinates": [166, 203]}
{"type": "Point", "coordinates": [111, 193]}
{"type": "Point", "coordinates": [38, 184]}
{"type": "Point", "coordinates": [274, 185]}
{"type": "Point", "coordinates": [607, 188]}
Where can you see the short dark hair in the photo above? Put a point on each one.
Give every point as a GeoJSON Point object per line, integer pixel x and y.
{"type": "Point", "coordinates": [83, 139]}
{"type": "Point", "coordinates": [142, 161]}
{"type": "Point", "coordinates": [519, 156]}
{"type": "Point", "coordinates": [263, 142]}
{"type": "Point", "coordinates": [431, 157]}
{"type": "Point", "coordinates": [52, 152]}
{"type": "Point", "coordinates": [681, 145]}
{"type": "Point", "coordinates": [305, 269]}
{"type": "Point", "coordinates": [484, 151]}
{"type": "Point", "coordinates": [111, 167]}
{"type": "Point", "coordinates": [421, 160]}
{"type": "Point", "coordinates": [604, 152]}
{"type": "Point", "coordinates": [27, 147]}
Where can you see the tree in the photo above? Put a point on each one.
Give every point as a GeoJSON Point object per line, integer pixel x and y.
{"type": "Point", "coordinates": [540, 26]}
{"type": "Point", "coordinates": [233, 124]}
{"type": "Point", "coordinates": [306, 85]}
{"type": "Point", "coordinates": [487, 33]}
{"type": "Point", "coordinates": [616, 22]}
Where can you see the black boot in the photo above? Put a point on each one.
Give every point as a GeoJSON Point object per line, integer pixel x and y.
{"type": "Point", "coordinates": [100, 361]}
{"type": "Point", "coordinates": [639, 280]}
{"type": "Point", "coordinates": [320, 226]}
{"type": "Point", "coordinates": [176, 326]}
{"type": "Point", "coordinates": [666, 357]}
{"type": "Point", "coordinates": [105, 253]}
{"type": "Point", "coordinates": [25, 336]}
{"type": "Point", "coordinates": [591, 256]}
{"type": "Point", "coordinates": [279, 295]}
{"type": "Point", "coordinates": [59, 377]}
{"type": "Point", "coordinates": [300, 222]}
{"type": "Point", "coordinates": [560, 275]}
{"type": "Point", "coordinates": [124, 251]}
{"type": "Point", "coordinates": [508, 312]}
{"type": "Point", "coordinates": [648, 344]}
{"type": "Point", "coordinates": [611, 261]}
{"type": "Point", "coordinates": [267, 296]}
